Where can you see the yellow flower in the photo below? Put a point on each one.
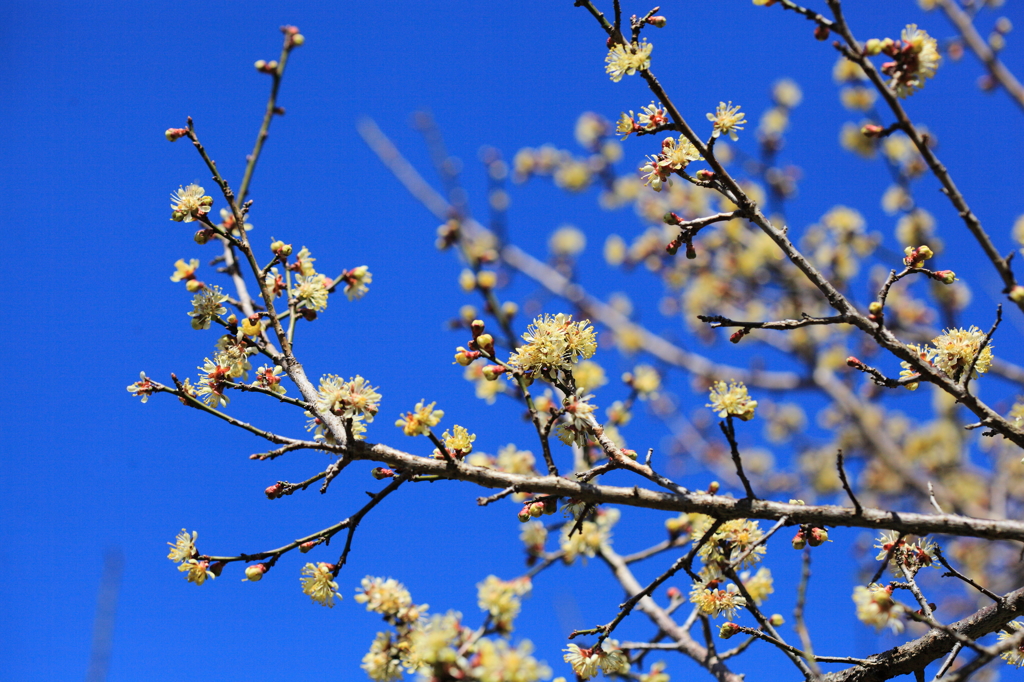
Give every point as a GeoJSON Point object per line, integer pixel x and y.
{"type": "Point", "coordinates": [196, 571]}
{"type": "Point", "coordinates": [460, 440]}
{"type": "Point", "coordinates": [356, 281]}
{"type": "Point", "coordinates": [1014, 657]}
{"type": "Point", "coordinates": [319, 583]}
{"type": "Point", "coordinates": [731, 400]}
{"type": "Point", "coordinates": [713, 601]}
{"type": "Point", "coordinates": [625, 60]}
{"type": "Point", "coordinates": [955, 349]}
{"type": "Point", "coordinates": [419, 421]}
{"type": "Point", "coordinates": [875, 606]}
{"type": "Point", "coordinates": [189, 203]}
{"type": "Point", "coordinates": [183, 270]}
{"type": "Point", "coordinates": [727, 119]}
{"type": "Point", "coordinates": [183, 547]}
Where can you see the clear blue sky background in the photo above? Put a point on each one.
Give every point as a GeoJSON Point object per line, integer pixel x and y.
{"type": "Point", "coordinates": [87, 91]}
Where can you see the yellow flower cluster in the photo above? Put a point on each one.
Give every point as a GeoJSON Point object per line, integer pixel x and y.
{"type": "Point", "coordinates": [554, 343]}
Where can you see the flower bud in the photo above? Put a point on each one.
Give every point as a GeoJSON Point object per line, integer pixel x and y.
{"type": "Point", "coordinates": [871, 130]}
{"type": "Point", "coordinates": [255, 572]}
{"type": "Point", "coordinates": [232, 320]}
{"type": "Point", "coordinates": [273, 491]}
{"type": "Point", "coordinates": [537, 509]}
{"type": "Point", "coordinates": [380, 473]}
{"type": "Point", "coordinates": [492, 372]}
{"type": "Point", "coordinates": [298, 39]}
{"type": "Point", "coordinates": [658, 21]}
{"type": "Point", "coordinates": [173, 134]}
{"type": "Point", "coordinates": [306, 546]}
{"type": "Point", "coordinates": [799, 541]}
{"type": "Point", "coordinates": [629, 453]}
{"type": "Point", "coordinates": [261, 65]}
{"type": "Point", "coordinates": [728, 630]}
{"type": "Point", "coordinates": [713, 487]}
{"type": "Point", "coordinates": [524, 515]}
{"type": "Point", "coordinates": [875, 307]}
{"type": "Point", "coordinates": [486, 279]}
{"type": "Point", "coordinates": [821, 33]}
{"type": "Point", "coordinates": [673, 592]}
{"type": "Point", "coordinates": [178, 216]}
{"type": "Point", "coordinates": [776, 620]}
{"type": "Point", "coordinates": [818, 536]}
{"type": "Point", "coordinates": [1017, 294]}
{"type": "Point", "coordinates": [509, 309]}
{"type": "Point", "coordinates": [194, 285]}
{"type": "Point", "coordinates": [485, 342]}
{"type": "Point", "coordinates": [872, 47]}
{"type": "Point", "coordinates": [945, 276]}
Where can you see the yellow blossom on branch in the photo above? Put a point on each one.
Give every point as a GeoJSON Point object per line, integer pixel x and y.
{"type": "Point", "coordinates": [731, 400]}
{"type": "Point", "coordinates": [625, 60]}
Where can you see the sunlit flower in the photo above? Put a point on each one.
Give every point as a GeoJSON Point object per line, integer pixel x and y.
{"type": "Point", "coordinates": [386, 597]}
{"type": "Point", "coordinates": [270, 378]}
{"type": "Point", "coordinates": [207, 304]}
{"type": "Point", "coordinates": [956, 349]}
{"type": "Point", "coordinates": [436, 640]}
{"type": "Point", "coordinates": [196, 571]}
{"type": "Point", "coordinates": [727, 119]}
{"type": "Point", "coordinates": [731, 399]}
{"type": "Point", "coordinates": [875, 606]}
{"type": "Point", "coordinates": [1014, 657]}
{"type": "Point", "coordinates": [502, 599]}
{"type": "Point", "coordinates": [184, 271]}
{"type": "Point", "coordinates": [497, 661]}
{"type": "Point", "coordinates": [516, 461]}
{"type": "Point", "coordinates": [356, 281]}
{"type": "Point", "coordinates": [143, 387]}
{"type": "Point", "coordinates": [318, 583]}
{"type": "Point", "coordinates": [591, 535]}
{"type": "Point", "coordinates": [759, 585]}
{"type": "Point", "coordinates": [420, 420]}
{"type": "Point", "coordinates": [311, 292]}
{"type": "Point", "coordinates": [352, 399]}
{"type": "Point", "coordinates": [183, 547]}
{"type": "Point", "coordinates": [584, 662]}
{"type": "Point", "coordinates": [460, 440]}
{"type": "Point", "coordinates": [625, 60]}
{"type": "Point", "coordinates": [554, 342]}
{"type": "Point", "coordinates": [576, 426]}
{"type": "Point", "coordinates": [382, 662]}
{"type": "Point", "coordinates": [713, 601]}
{"type": "Point", "coordinates": [212, 383]}
{"type": "Point", "coordinates": [189, 203]}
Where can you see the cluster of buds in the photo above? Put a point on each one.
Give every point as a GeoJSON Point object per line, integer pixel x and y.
{"type": "Point", "coordinates": [263, 66]}
{"type": "Point", "coordinates": [538, 507]}
{"type": "Point", "coordinates": [685, 237]}
{"type": "Point", "coordinates": [281, 250]}
{"type": "Point", "coordinates": [292, 37]}
{"type": "Point", "coordinates": [810, 535]}
{"type": "Point", "coordinates": [481, 345]}
{"type": "Point", "coordinates": [915, 257]}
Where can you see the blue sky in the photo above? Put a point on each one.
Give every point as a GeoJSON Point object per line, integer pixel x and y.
{"type": "Point", "coordinates": [89, 89]}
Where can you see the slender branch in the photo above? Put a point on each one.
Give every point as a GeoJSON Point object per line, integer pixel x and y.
{"type": "Point", "coordinates": [846, 484]}
{"type": "Point", "coordinates": [729, 430]}
{"type": "Point", "coordinates": [979, 46]}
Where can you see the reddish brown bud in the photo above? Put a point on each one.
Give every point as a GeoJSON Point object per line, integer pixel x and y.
{"type": "Point", "coordinates": [821, 33]}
